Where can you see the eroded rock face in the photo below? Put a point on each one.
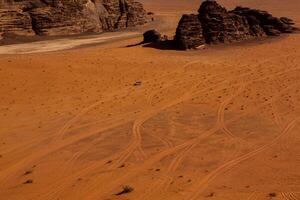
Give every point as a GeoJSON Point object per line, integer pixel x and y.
{"type": "Point", "coordinates": [269, 24]}
{"type": "Point", "coordinates": [214, 24]}
{"type": "Point", "coordinates": [189, 32]}
{"type": "Point", "coordinates": [15, 21]}
{"type": "Point", "coordinates": [220, 25]}
{"type": "Point", "coordinates": [64, 17]}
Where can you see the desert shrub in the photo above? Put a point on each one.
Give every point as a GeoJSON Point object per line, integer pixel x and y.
{"type": "Point", "coordinates": [126, 189]}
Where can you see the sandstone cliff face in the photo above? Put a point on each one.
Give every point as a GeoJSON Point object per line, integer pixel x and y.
{"type": "Point", "coordinates": [64, 17]}
{"type": "Point", "coordinates": [189, 32]}
{"type": "Point", "coordinates": [15, 21]}
{"type": "Point", "coordinates": [214, 24]}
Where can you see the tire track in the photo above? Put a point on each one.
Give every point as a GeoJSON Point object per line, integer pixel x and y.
{"type": "Point", "coordinates": [174, 103]}
{"type": "Point", "coordinates": [137, 138]}
{"type": "Point", "coordinates": [229, 165]}
{"type": "Point", "coordinates": [294, 196]}
{"type": "Point", "coordinates": [178, 159]}
{"type": "Point", "coordinates": [253, 196]}
{"type": "Point", "coordinates": [178, 71]}
{"type": "Point", "coordinates": [191, 143]}
{"type": "Point", "coordinates": [124, 155]}
{"type": "Point", "coordinates": [286, 196]}
{"type": "Point", "coordinates": [219, 125]}
{"type": "Point", "coordinates": [289, 196]}
{"type": "Point", "coordinates": [264, 77]}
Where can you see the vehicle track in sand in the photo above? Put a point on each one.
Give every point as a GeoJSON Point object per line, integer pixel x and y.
{"type": "Point", "coordinates": [157, 157]}
{"type": "Point", "coordinates": [135, 145]}
{"type": "Point", "coordinates": [137, 138]}
{"type": "Point", "coordinates": [288, 141]}
{"type": "Point", "coordinates": [213, 174]}
{"type": "Point", "coordinates": [135, 130]}
{"type": "Point", "coordinates": [74, 140]}
{"type": "Point", "coordinates": [130, 150]}
{"type": "Point", "coordinates": [181, 99]}
{"type": "Point", "coordinates": [203, 183]}
{"type": "Point", "coordinates": [294, 195]}
{"type": "Point", "coordinates": [63, 130]}
{"type": "Point", "coordinates": [102, 135]}
{"type": "Point", "coordinates": [275, 74]}
{"type": "Point", "coordinates": [168, 178]}
{"type": "Point", "coordinates": [57, 137]}
{"type": "Point", "coordinates": [180, 156]}
{"type": "Point", "coordinates": [135, 141]}
{"type": "Point", "coordinates": [253, 196]}
{"type": "Point", "coordinates": [289, 196]}
{"type": "Point", "coordinates": [193, 141]}
{"type": "Point", "coordinates": [136, 133]}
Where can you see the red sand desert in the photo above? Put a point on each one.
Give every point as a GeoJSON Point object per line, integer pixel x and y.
{"type": "Point", "coordinates": [221, 123]}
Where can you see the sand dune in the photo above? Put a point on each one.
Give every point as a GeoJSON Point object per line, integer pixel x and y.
{"type": "Point", "coordinates": [220, 123]}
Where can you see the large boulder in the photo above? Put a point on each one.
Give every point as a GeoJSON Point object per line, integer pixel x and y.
{"type": "Point", "coordinates": [214, 24]}
{"type": "Point", "coordinates": [64, 17]}
{"type": "Point", "coordinates": [152, 36]}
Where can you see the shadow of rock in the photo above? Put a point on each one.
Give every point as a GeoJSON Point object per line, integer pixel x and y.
{"type": "Point", "coordinates": [162, 45]}
{"type": "Point", "coordinates": [154, 39]}
{"type": "Point", "coordinates": [134, 45]}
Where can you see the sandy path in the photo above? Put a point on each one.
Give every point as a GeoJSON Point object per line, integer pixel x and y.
{"type": "Point", "coordinates": [63, 44]}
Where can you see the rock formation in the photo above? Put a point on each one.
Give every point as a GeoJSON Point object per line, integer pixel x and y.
{"type": "Point", "coordinates": [214, 24]}
{"type": "Point", "coordinates": [64, 17]}
{"type": "Point", "coordinates": [151, 36]}
{"type": "Point", "coordinates": [189, 32]}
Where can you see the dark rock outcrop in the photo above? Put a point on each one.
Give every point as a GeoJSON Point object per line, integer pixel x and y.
{"type": "Point", "coordinates": [266, 21]}
{"type": "Point", "coordinates": [152, 36]}
{"type": "Point", "coordinates": [214, 24]}
{"type": "Point", "coordinates": [189, 33]}
{"type": "Point", "coordinates": [64, 17]}
{"type": "Point", "coordinates": [220, 25]}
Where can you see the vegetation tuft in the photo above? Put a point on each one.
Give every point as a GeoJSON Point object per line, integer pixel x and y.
{"type": "Point", "coordinates": [126, 189]}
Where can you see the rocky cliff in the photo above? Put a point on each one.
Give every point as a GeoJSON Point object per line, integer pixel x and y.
{"type": "Point", "coordinates": [214, 24]}
{"type": "Point", "coordinates": [64, 17]}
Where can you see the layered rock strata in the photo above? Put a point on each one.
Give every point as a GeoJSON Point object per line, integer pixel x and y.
{"type": "Point", "coordinates": [64, 17]}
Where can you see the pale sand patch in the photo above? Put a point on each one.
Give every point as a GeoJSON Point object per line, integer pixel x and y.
{"type": "Point", "coordinates": [62, 44]}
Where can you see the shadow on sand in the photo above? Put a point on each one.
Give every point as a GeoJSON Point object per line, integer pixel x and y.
{"type": "Point", "coordinates": [162, 45]}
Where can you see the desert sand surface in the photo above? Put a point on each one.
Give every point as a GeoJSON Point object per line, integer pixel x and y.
{"type": "Point", "coordinates": [221, 123]}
